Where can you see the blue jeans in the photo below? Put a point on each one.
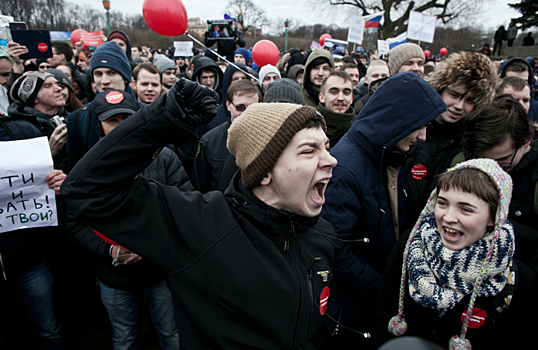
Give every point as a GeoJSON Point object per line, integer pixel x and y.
{"type": "Point", "coordinates": [122, 307]}
{"type": "Point", "coordinates": [34, 291]}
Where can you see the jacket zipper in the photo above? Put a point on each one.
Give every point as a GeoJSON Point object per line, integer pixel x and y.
{"type": "Point", "coordinates": [287, 239]}
{"type": "Point", "coordinates": [311, 290]}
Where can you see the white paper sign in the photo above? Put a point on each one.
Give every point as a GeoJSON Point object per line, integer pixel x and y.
{"type": "Point", "coordinates": [183, 48]}
{"type": "Point", "coordinates": [421, 27]}
{"type": "Point", "coordinates": [356, 30]}
{"type": "Point", "coordinates": [25, 198]}
{"type": "Point", "coordinates": [382, 47]}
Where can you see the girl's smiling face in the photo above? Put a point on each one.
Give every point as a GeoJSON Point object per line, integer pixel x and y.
{"type": "Point", "coordinates": [462, 218]}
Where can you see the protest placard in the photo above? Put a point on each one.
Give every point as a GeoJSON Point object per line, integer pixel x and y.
{"type": "Point", "coordinates": [93, 39]}
{"type": "Point", "coordinates": [25, 198]}
{"type": "Point", "coordinates": [421, 27]}
{"type": "Point", "coordinates": [356, 30]}
{"type": "Point", "coordinates": [183, 48]}
{"type": "Point", "coordinates": [382, 47]}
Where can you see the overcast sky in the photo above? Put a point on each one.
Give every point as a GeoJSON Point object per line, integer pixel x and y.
{"type": "Point", "coordinates": [496, 12]}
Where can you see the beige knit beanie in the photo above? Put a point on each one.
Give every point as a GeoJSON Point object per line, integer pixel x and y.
{"type": "Point", "coordinates": [401, 53]}
{"type": "Point", "coordinates": [258, 136]}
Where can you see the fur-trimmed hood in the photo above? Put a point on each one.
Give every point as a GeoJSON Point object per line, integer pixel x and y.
{"type": "Point", "coordinates": [472, 70]}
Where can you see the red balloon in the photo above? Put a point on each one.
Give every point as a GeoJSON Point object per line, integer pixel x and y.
{"type": "Point", "coordinates": [165, 17]}
{"type": "Point", "coordinates": [323, 37]}
{"type": "Point", "coordinates": [427, 53]}
{"type": "Point", "coordinates": [265, 52]}
{"type": "Point", "coordinates": [106, 239]}
{"type": "Point", "coordinates": [443, 51]}
{"type": "Point", "coordinates": [75, 36]}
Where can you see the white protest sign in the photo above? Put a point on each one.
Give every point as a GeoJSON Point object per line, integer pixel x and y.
{"type": "Point", "coordinates": [382, 47]}
{"type": "Point", "coordinates": [421, 27]}
{"type": "Point", "coordinates": [25, 198]}
{"type": "Point", "coordinates": [183, 48]}
{"type": "Point", "coordinates": [356, 30]}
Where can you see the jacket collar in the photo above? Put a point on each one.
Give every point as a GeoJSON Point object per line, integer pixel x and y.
{"type": "Point", "coordinates": [278, 225]}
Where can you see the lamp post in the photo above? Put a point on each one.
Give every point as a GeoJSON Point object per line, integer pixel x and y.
{"type": "Point", "coordinates": [106, 5]}
{"type": "Point", "coordinates": [286, 24]}
{"type": "Point", "coordinates": [240, 17]}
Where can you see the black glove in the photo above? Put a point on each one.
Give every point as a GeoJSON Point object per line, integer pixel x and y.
{"type": "Point", "coordinates": [199, 103]}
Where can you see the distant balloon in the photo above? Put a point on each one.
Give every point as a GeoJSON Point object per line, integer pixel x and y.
{"type": "Point", "coordinates": [427, 53]}
{"type": "Point", "coordinates": [165, 17]}
{"type": "Point", "coordinates": [443, 51]}
{"type": "Point", "coordinates": [323, 37]}
{"type": "Point", "coordinates": [265, 52]}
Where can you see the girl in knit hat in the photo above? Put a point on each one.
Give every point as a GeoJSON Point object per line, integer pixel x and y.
{"type": "Point", "coordinates": [454, 273]}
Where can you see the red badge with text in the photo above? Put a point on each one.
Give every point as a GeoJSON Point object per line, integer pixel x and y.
{"type": "Point", "coordinates": [114, 97]}
{"type": "Point", "coordinates": [324, 300]}
{"type": "Point", "coordinates": [419, 172]}
{"type": "Point", "coordinates": [477, 319]}
{"type": "Point", "coordinates": [42, 47]}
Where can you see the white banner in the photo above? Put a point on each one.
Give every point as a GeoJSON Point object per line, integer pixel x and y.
{"type": "Point", "coordinates": [356, 30]}
{"type": "Point", "coordinates": [421, 27]}
{"type": "Point", "coordinates": [183, 48]}
{"type": "Point", "coordinates": [25, 198]}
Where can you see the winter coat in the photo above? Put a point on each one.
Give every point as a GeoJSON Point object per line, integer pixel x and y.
{"type": "Point", "coordinates": [210, 159]}
{"type": "Point", "coordinates": [243, 275]}
{"type": "Point", "coordinates": [310, 94]}
{"type": "Point", "coordinates": [427, 160]}
{"type": "Point", "coordinates": [507, 329]}
{"type": "Point", "coordinates": [167, 170]}
{"type": "Point", "coordinates": [357, 202]}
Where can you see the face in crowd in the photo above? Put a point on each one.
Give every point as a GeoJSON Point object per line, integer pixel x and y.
{"type": "Point", "coordinates": [207, 78]}
{"type": "Point", "coordinates": [413, 65]}
{"type": "Point", "coordinates": [462, 218]}
{"type": "Point", "coordinates": [148, 86]}
{"type": "Point", "coordinates": [240, 103]}
{"type": "Point", "coordinates": [108, 79]}
{"type": "Point", "coordinates": [318, 73]}
{"type": "Point", "coordinates": [300, 176]}
{"type": "Point", "coordinates": [458, 105]}
{"type": "Point", "coordinates": [337, 94]}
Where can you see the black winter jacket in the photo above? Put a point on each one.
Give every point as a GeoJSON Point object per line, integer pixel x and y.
{"type": "Point", "coordinates": [166, 169]}
{"type": "Point", "coordinates": [358, 203]}
{"type": "Point", "coordinates": [427, 160]}
{"type": "Point", "coordinates": [210, 159]}
{"type": "Point", "coordinates": [243, 275]}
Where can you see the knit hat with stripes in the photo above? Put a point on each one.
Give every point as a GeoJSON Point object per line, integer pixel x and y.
{"type": "Point", "coordinates": [259, 135]}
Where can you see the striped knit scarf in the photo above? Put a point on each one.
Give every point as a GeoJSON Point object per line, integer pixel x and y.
{"type": "Point", "coordinates": [439, 278]}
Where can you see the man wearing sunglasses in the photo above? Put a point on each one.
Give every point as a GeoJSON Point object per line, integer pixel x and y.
{"type": "Point", "coordinates": [502, 131]}
{"type": "Point", "coordinates": [212, 151]}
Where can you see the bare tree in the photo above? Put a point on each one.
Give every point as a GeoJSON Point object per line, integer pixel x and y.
{"type": "Point", "coordinates": [253, 17]}
{"type": "Point", "coordinates": [397, 11]}
{"type": "Point", "coordinates": [20, 10]}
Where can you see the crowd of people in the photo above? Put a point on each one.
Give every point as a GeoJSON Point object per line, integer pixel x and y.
{"type": "Point", "coordinates": [295, 206]}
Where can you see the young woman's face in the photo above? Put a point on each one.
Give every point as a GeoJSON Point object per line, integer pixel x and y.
{"type": "Point", "coordinates": [462, 218]}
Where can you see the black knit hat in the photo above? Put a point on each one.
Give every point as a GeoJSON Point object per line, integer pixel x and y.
{"type": "Point", "coordinates": [283, 90]}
